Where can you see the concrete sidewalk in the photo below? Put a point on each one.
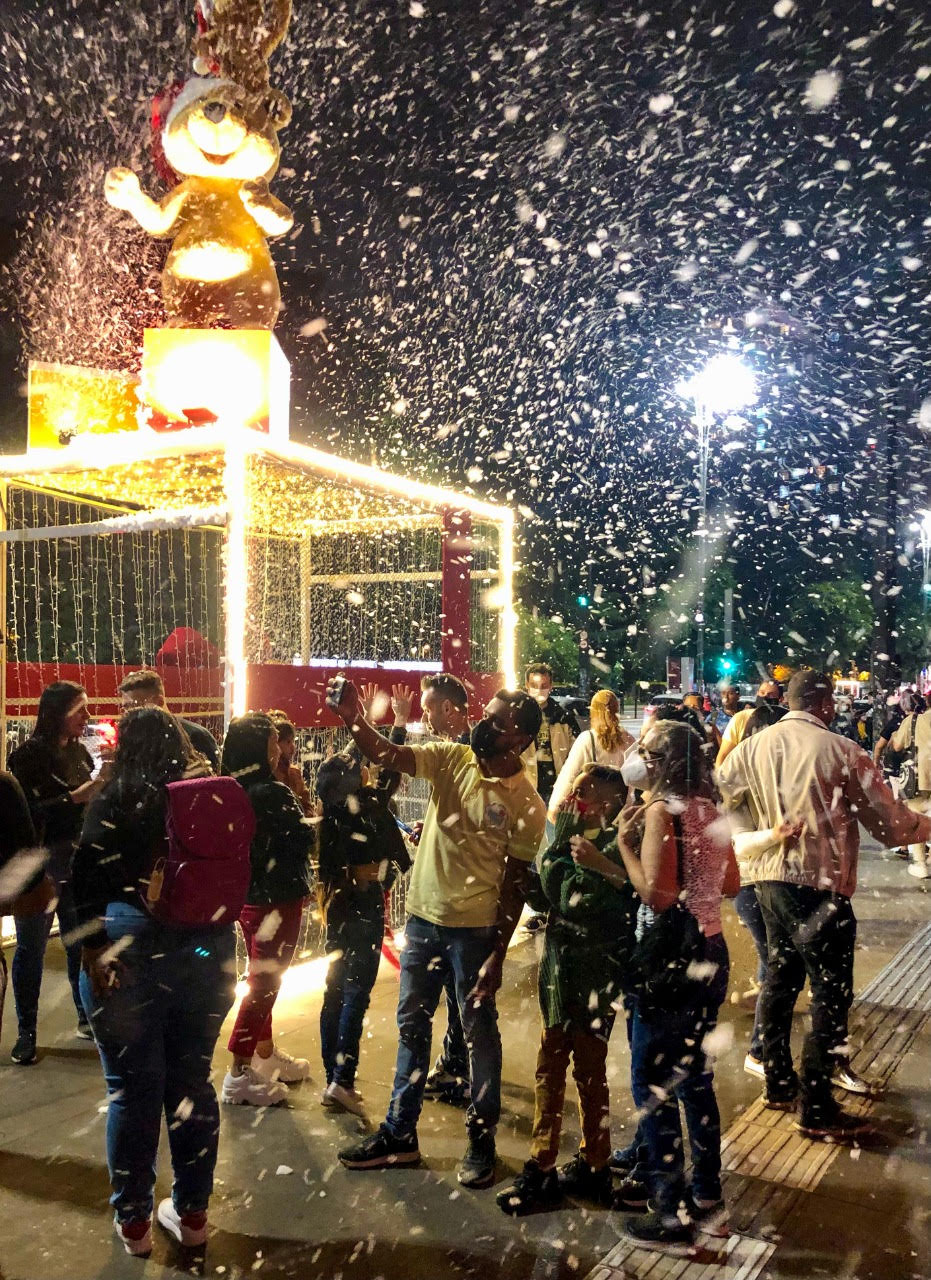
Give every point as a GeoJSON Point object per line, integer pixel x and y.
{"type": "Point", "coordinates": [284, 1207]}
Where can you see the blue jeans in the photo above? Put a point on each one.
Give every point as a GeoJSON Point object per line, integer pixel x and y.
{"type": "Point", "coordinates": [32, 934]}
{"type": "Point", "coordinates": [668, 1067]}
{"type": "Point", "coordinates": [349, 981]}
{"type": "Point", "coordinates": [429, 951]}
{"type": "Point", "coordinates": [156, 1034]}
{"type": "Point", "coordinates": [454, 1059]}
{"type": "Point", "coordinates": [751, 917]}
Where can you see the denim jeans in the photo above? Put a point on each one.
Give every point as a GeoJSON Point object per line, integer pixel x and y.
{"type": "Point", "coordinates": [751, 917]}
{"type": "Point", "coordinates": [429, 951]}
{"type": "Point", "coordinates": [669, 1067]}
{"type": "Point", "coordinates": [355, 945]}
{"type": "Point", "coordinates": [454, 1059]}
{"type": "Point", "coordinates": [156, 1034]}
{"type": "Point", "coordinates": [32, 934]}
{"type": "Point", "coordinates": [809, 932]}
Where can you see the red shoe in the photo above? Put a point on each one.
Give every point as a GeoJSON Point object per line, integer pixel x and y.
{"type": "Point", "coordinates": [136, 1236]}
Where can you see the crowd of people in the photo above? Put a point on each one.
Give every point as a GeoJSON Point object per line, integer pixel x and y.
{"type": "Point", "coordinates": [623, 848]}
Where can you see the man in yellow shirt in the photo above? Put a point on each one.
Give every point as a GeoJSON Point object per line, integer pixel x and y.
{"type": "Point", "coordinates": [481, 832]}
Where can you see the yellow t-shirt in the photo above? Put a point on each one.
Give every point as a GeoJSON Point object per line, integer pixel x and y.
{"type": "Point", "coordinates": [472, 825]}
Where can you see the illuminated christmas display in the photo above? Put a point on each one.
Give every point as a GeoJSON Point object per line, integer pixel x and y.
{"type": "Point", "coordinates": [175, 506]}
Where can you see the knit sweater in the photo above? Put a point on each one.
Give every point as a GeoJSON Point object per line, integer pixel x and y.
{"type": "Point", "coordinates": [588, 938]}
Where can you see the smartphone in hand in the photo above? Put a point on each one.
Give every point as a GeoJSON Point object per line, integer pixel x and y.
{"type": "Point", "coordinates": [334, 693]}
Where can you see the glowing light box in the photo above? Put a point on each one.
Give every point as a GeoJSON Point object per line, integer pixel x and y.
{"type": "Point", "coordinates": [196, 377]}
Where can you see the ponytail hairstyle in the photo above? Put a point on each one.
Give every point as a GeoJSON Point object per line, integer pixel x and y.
{"type": "Point", "coordinates": [605, 720]}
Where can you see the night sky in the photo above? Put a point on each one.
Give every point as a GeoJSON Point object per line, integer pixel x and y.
{"type": "Point", "coordinates": [522, 224]}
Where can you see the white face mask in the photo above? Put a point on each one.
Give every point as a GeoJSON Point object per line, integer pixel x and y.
{"type": "Point", "coordinates": [634, 769]}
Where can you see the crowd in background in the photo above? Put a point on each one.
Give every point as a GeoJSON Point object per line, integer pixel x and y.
{"type": "Point", "coordinates": [616, 843]}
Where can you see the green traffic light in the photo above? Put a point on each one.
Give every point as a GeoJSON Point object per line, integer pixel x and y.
{"type": "Point", "coordinates": [583, 601]}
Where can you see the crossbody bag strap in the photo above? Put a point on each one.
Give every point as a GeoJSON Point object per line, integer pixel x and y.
{"type": "Point", "coordinates": [680, 852]}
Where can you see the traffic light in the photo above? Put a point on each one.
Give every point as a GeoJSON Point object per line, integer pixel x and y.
{"type": "Point", "coordinates": [727, 664]}
{"type": "Point", "coordinates": [582, 600]}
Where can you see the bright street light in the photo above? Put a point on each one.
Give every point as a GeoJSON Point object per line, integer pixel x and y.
{"type": "Point", "coordinates": [725, 385]}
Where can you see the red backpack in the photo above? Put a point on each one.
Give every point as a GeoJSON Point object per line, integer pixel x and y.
{"type": "Point", "coordinates": [203, 876]}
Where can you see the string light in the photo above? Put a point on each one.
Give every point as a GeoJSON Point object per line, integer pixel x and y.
{"type": "Point", "coordinates": [270, 490]}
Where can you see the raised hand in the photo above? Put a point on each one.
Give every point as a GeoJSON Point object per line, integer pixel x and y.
{"type": "Point", "coordinates": [402, 699]}
{"type": "Point", "coordinates": [121, 189]}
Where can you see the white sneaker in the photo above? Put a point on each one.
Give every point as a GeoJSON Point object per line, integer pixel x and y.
{"type": "Point", "coordinates": [754, 1067]}
{"type": "Point", "coordinates": [919, 870]}
{"type": "Point", "coordinates": [346, 1099]}
{"type": "Point", "coordinates": [135, 1236]}
{"type": "Point", "coordinates": [190, 1231]}
{"type": "Point", "coordinates": [281, 1066]}
{"type": "Point", "coordinates": [326, 1101]}
{"type": "Point", "coordinates": [250, 1090]}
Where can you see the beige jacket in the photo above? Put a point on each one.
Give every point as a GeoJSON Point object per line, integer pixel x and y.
{"type": "Point", "coordinates": [798, 768]}
{"type": "Point", "coordinates": [902, 739]}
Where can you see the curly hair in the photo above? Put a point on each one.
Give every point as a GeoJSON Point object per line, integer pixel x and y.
{"type": "Point", "coordinates": [684, 768]}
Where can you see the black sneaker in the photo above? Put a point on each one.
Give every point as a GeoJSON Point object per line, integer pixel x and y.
{"type": "Point", "coordinates": [776, 1102]}
{"type": "Point", "coordinates": [577, 1178]}
{"type": "Point", "coordinates": [381, 1150]}
{"type": "Point", "coordinates": [444, 1086]}
{"type": "Point", "coordinates": [531, 1189]}
{"type": "Point", "coordinates": [24, 1051]}
{"type": "Point", "coordinates": [477, 1167]}
{"type": "Point", "coordinates": [84, 1031]}
{"type": "Point", "coordinates": [840, 1126]}
{"type": "Point", "coordinates": [709, 1217]}
{"type": "Point", "coordinates": [622, 1161]}
{"type": "Point", "coordinates": [651, 1232]}
{"type": "Point", "coordinates": [631, 1194]}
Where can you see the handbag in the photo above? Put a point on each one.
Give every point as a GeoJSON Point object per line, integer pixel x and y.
{"type": "Point", "coordinates": [663, 960]}
{"type": "Point", "coordinates": [908, 769]}
{"type": "Point", "coordinates": [35, 901]}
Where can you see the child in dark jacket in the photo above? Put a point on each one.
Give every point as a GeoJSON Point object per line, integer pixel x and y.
{"type": "Point", "coordinates": [271, 919]}
{"type": "Point", "coordinates": [361, 852]}
{"type": "Point", "coordinates": [588, 941]}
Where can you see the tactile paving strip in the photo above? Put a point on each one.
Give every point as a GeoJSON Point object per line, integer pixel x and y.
{"type": "Point", "coordinates": [771, 1166]}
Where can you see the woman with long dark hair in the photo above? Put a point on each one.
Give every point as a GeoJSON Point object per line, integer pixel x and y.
{"type": "Point", "coordinates": [156, 994]}
{"type": "Point", "coordinates": [271, 918]}
{"type": "Point", "coordinates": [55, 770]}
{"type": "Point", "coordinates": [673, 850]}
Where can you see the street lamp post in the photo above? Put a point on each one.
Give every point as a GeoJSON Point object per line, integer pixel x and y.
{"type": "Point", "coordinates": [724, 386]}
{"type": "Point", "coordinates": [923, 528]}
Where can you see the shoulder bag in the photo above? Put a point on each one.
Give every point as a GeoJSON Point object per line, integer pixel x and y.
{"type": "Point", "coordinates": [908, 769]}
{"type": "Point", "coordinates": [666, 955]}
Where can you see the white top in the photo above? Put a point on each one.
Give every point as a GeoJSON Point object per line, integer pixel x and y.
{"type": "Point", "coordinates": [585, 750]}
